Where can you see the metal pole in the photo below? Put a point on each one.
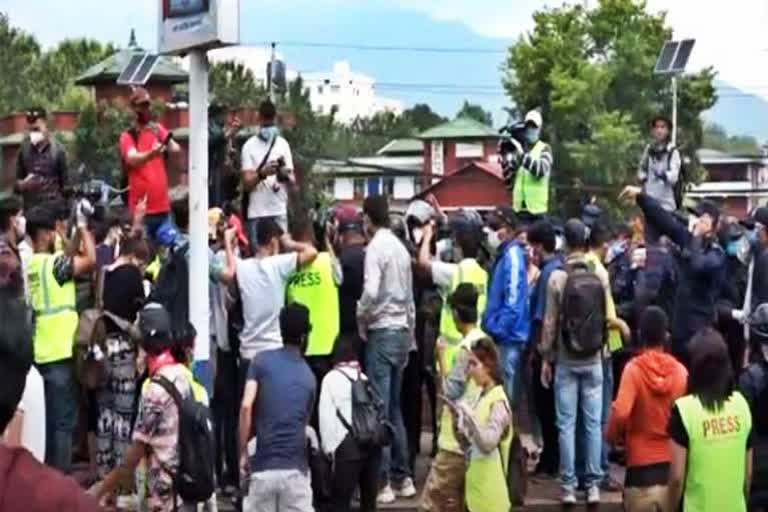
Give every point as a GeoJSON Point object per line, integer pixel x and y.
{"type": "Point", "coordinates": [674, 110]}
{"type": "Point", "coordinates": [198, 202]}
{"type": "Point", "coordinates": [270, 78]}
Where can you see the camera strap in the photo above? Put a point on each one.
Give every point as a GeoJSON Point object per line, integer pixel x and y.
{"type": "Point", "coordinates": [267, 154]}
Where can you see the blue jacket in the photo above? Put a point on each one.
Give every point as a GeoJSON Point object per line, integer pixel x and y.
{"type": "Point", "coordinates": [507, 313]}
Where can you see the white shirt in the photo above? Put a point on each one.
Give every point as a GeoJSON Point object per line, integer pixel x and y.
{"type": "Point", "coordinates": [262, 283]}
{"type": "Point", "coordinates": [336, 393]}
{"type": "Point", "coordinates": [33, 423]}
{"type": "Point", "coordinates": [269, 198]}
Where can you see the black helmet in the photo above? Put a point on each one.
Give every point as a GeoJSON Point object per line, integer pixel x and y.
{"type": "Point", "coordinates": [758, 323]}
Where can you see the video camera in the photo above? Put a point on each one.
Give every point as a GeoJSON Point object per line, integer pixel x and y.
{"type": "Point", "coordinates": [510, 150]}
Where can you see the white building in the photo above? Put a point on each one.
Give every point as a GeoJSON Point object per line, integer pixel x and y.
{"type": "Point", "coordinates": [350, 94]}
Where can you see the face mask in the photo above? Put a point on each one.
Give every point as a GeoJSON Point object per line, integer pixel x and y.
{"type": "Point", "coordinates": [494, 242]}
{"type": "Point", "coordinates": [36, 137]}
{"type": "Point", "coordinates": [143, 116]}
{"type": "Point", "coordinates": [266, 133]}
{"type": "Point", "coordinates": [615, 250]}
{"type": "Point", "coordinates": [559, 242]}
{"type": "Point", "coordinates": [732, 248]}
{"type": "Point", "coordinates": [418, 235]}
{"type": "Point", "coordinates": [20, 225]}
{"type": "Point", "coordinates": [532, 134]}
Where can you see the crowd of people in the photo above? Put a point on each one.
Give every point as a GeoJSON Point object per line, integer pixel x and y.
{"type": "Point", "coordinates": [641, 342]}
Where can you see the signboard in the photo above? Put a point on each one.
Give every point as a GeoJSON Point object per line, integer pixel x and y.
{"type": "Point", "coordinates": [438, 168]}
{"type": "Point", "coordinates": [188, 24]}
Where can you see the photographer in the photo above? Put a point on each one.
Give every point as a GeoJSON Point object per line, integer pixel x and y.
{"type": "Point", "coordinates": [531, 179]}
{"type": "Point", "coordinates": [267, 173]}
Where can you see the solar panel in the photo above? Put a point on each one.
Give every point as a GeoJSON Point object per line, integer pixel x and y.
{"type": "Point", "coordinates": [666, 57]}
{"type": "Point", "coordinates": [683, 54]}
{"type": "Point", "coordinates": [139, 69]}
{"type": "Point", "coordinates": [130, 69]}
{"type": "Point", "coordinates": [145, 70]}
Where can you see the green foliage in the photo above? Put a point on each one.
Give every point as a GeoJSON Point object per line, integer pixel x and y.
{"type": "Point", "coordinates": [590, 72]}
{"type": "Point", "coordinates": [422, 118]}
{"type": "Point", "coordinates": [476, 112]}
{"type": "Point", "coordinates": [18, 53]}
{"type": "Point", "coordinates": [715, 137]}
{"type": "Point", "coordinates": [234, 85]}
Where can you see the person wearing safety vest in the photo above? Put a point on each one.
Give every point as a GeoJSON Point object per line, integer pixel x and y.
{"type": "Point", "coordinates": [711, 433]}
{"type": "Point", "coordinates": [51, 293]}
{"type": "Point", "coordinates": [486, 423]}
{"type": "Point", "coordinates": [531, 185]}
{"type": "Point", "coordinates": [444, 489]}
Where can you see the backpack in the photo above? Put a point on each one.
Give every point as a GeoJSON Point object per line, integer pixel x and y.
{"type": "Point", "coordinates": [194, 480]}
{"type": "Point", "coordinates": [370, 427]}
{"type": "Point", "coordinates": [583, 311]}
{"type": "Point", "coordinates": [171, 290]}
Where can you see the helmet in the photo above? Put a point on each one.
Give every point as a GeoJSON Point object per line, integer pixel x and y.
{"type": "Point", "coordinates": [758, 323]}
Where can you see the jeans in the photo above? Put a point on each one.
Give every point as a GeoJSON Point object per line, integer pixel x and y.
{"type": "Point", "coordinates": [607, 402]}
{"type": "Point", "coordinates": [252, 227]}
{"type": "Point", "coordinates": [511, 358]}
{"type": "Point", "coordinates": [386, 356]}
{"type": "Point", "coordinates": [579, 390]}
{"type": "Point", "coordinates": [153, 221]}
{"type": "Point", "coordinates": [60, 412]}
{"type": "Point", "coordinates": [225, 408]}
{"type": "Point", "coordinates": [280, 490]}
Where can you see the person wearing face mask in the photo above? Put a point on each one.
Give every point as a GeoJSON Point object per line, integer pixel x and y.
{"type": "Point", "coordinates": [143, 149]}
{"type": "Point", "coordinates": [267, 173]}
{"type": "Point", "coordinates": [659, 167]}
{"type": "Point", "coordinates": [701, 263]}
{"type": "Point", "coordinates": [731, 299]}
{"type": "Point", "coordinates": [41, 165]}
{"type": "Point", "coordinates": [531, 188]}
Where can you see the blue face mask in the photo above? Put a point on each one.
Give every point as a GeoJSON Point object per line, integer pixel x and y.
{"type": "Point", "coordinates": [732, 249]}
{"type": "Point", "coordinates": [532, 134]}
{"type": "Point", "coordinates": [266, 133]}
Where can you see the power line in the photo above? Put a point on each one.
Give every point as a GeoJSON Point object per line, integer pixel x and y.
{"type": "Point", "coordinates": [386, 48]}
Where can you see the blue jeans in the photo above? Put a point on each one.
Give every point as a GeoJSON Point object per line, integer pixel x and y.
{"type": "Point", "coordinates": [60, 412]}
{"type": "Point", "coordinates": [386, 355]}
{"type": "Point", "coordinates": [580, 435]}
{"type": "Point", "coordinates": [511, 358]}
{"type": "Point", "coordinates": [153, 221]}
{"type": "Point", "coordinates": [252, 227]}
{"type": "Point", "coordinates": [579, 390]}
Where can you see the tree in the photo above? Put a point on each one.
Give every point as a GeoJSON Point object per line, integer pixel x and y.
{"type": "Point", "coordinates": [476, 112]}
{"type": "Point", "coordinates": [590, 72]}
{"type": "Point", "coordinates": [422, 118]}
{"type": "Point", "coordinates": [19, 52]}
{"type": "Point", "coordinates": [715, 137]}
{"type": "Point", "coordinates": [234, 85]}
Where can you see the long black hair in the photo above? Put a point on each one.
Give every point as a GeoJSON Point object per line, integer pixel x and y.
{"type": "Point", "coordinates": [711, 376]}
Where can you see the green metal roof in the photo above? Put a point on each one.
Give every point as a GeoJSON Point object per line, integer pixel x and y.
{"type": "Point", "coordinates": [402, 146]}
{"type": "Point", "coordinates": [461, 128]}
{"type": "Point", "coordinates": [109, 69]}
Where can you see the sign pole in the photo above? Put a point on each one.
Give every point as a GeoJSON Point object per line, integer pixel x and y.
{"type": "Point", "coordinates": [198, 203]}
{"type": "Point", "coordinates": [674, 110]}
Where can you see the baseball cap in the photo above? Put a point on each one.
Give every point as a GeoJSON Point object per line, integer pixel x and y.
{"type": "Point", "coordinates": [154, 321]}
{"type": "Point", "coordinates": [349, 218]}
{"type": "Point", "coordinates": [166, 234]}
{"type": "Point", "coordinates": [761, 215]}
{"type": "Point", "coordinates": [706, 206]}
{"type": "Point", "coordinates": [502, 215]}
{"type": "Point", "coordinates": [140, 96]}
{"type": "Point", "coordinates": [534, 116]}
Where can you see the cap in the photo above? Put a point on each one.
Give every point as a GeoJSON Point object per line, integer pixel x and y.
{"type": "Point", "coordinates": [166, 234]}
{"type": "Point", "coordinates": [534, 116]}
{"type": "Point", "coordinates": [660, 117]}
{"type": "Point", "coordinates": [154, 321]}
{"type": "Point", "coordinates": [761, 215]}
{"type": "Point", "coordinates": [706, 206]}
{"type": "Point", "coordinates": [502, 215]}
{"type": "Point", "coordinates": [140, 96]}
{"type": "Point", "coordinates": [349, 218]}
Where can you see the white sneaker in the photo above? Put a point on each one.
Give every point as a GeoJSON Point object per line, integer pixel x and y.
{"type": "Point", "coordinates": [406, 489]}
{"type": "Point", "coordinates": [568, 497]}
{"type": "Point", "coordinates": [386, 495]}
{"type": "Point", "coordinates": [593, 495]}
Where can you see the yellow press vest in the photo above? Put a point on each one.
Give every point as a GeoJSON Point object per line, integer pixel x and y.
{"type": "Point", "coordinates": [468, 271]}
{"type": "Point", "coordinates": [486, 480]}
{"type": "Point", "coordinates": [314, 287]}
{"type": "Point", "coordinates": [446, 439]}
{"type": "Point", "coordinates": [54, 307]}
{"type": "Point", "coordinates": [717, 445]}
{"type": "Point", "coordinates": [154, 268]}
{"type": "Point", "coordinates": [531, 193]}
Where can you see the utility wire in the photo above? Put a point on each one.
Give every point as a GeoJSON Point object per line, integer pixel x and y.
{"type": "Point", "coordinates": [385, 48]}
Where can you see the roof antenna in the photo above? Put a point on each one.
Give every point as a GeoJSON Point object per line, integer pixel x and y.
{"type": "Point", "coordinates": [132, 41]}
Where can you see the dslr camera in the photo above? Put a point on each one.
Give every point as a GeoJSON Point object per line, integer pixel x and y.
{"type": "Point", "coordinates": [511, 150]}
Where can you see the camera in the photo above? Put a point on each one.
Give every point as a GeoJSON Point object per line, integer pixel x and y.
{"type": "Point", "coordinates": [511, 150]}
{"type": "Point", "coordinates": [283, 174]}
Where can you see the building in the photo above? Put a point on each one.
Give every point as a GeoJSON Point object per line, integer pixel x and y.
{"type": "Point", "coordinates": [347, 93]}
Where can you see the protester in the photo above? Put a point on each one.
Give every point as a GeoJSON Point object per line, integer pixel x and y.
{"type": "Point", "coordinates": [711, 431]}
{"type": "Point", "coordinates": [27, 484]}
{"type": "Point", "coordinates": [16, 252]}
{"type": "Point", "coordinates": [386, 318]}
{"type": "Point", "coordinates": [267, 173]}
{"type": "Point", "coordinates": [701, 265]}
{"type": "Point", "coordinates": [277, 402]}
{"type": "Point", "coordinates": [659, 168]}
{"type": "Point", "coordinates": [222, 170]}
{"type": "Point", "coordinates": [507, 314]}
{"type": "Point", "coordinates": [351, 251]}
{"type": "Point", "coordinates": [144, 149]}
{"type": "Point", "coordinates": [444, 489]}
{"type": "Point", "coordinates": [578, 356]}
{"type": "Point", "coordinates": [650, 384]}
{"type": "Point", "coordinates": [531, 186]}
{"type": "Point", "coordinates": [41, 166]}
{"type": "Point", "coordinates": [487, 425]}
{"type": "Point", "coordinates": [50, 278]}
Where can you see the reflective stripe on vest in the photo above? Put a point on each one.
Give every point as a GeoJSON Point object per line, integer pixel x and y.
{"type": "Point", "coordinates": [531, 193]}
{"type": "Point", "coordinates": [56, 318]}
{"type": "Point", "coordinates": [717, 443]}
{"type": "Point", "coordinates": [314, 287]}
{"type": "Point", "coordinates": [468, 271]}
{"type": "Point", "coordinates": [486, 480]}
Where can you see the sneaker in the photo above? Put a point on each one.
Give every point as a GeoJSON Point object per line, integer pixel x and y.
{"type": "Point", "coordinates": [386, 495]}
{"type": "Point", "coordinates": [593, 495]}
{"type": "Point", "coordinates": [406, 489]}
{"type": "Point", "coordinates": [568, 497]}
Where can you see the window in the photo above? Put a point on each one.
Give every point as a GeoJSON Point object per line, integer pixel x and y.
{"type": "Point", "coordinates": [417, 185]}
{"type": "Point", "coordinates": [469, 150]}
{"type": "Point", "coordinates": [319, 89]}
{"type": "Point", "coordinates": [389, 187]}
{"type": "Point", "coordinates": [359, 188]}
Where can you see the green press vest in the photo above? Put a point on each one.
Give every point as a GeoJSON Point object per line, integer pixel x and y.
{"type": "Point", "coordinates": [529, 190]}
{"type": "Point", "coordinates": [54, 306]}
{"type": "Point", "coordinates": [486, 480]}
{"type": "Point", "coordinates": [469, 271]}
{"type": "Point", "coordinates": [314, 287]}
{"type": "Point", "coordinates": [716, 452]}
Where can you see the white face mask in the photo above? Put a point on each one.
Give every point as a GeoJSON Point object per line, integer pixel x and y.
{"type": "Point", "coordinates": [20, 225]}
{"type": "Point", "coordinates": [494, 242]}
{"type": "Point", "coordinates": [36, 137]}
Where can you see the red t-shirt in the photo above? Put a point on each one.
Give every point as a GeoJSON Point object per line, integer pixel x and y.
{"type": "Point", "coordinates": [149, 179]}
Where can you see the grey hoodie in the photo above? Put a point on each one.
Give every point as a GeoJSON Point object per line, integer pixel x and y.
{"type": "Point", "coordinates": [659, 171]}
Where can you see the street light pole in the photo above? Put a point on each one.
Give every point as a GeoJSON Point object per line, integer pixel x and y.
{"type": "Point", "coordinates": [674, 110]}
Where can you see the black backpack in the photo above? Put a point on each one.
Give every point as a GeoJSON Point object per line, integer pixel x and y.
{"type": "Point", "coordinates": [583, 311]}
{"type": "Point", "coordinates": [369, 428]}
{"type": "Point", "coordinates": [194, 480]}
{"type": "Point", "coordinates": [171, 290]}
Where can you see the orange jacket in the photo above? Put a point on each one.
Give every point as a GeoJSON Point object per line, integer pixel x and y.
{"type": "Point", "coordinates": [651, 382]}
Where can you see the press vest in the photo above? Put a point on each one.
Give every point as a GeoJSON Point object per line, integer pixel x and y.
{"type": "Point", "coordinates": [486, 480]}
{"type": "Point", "coordinates": [54, 307]}
{"type": "Point", "coordinates": [468, 271]}
{"type": "Point", "coordinates": [314, 287]}
{"type": "Point", "coordinates": [446, 439]}
{"type": "Point", "coordinates": [531, 193]}
{"type": "Point", "coordinates": [716, 452]}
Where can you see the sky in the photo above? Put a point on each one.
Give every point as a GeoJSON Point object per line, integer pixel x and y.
{"type": "Point", "coordinates": [730, 37]}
